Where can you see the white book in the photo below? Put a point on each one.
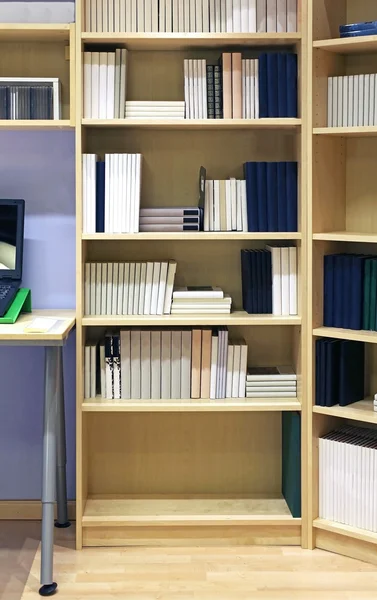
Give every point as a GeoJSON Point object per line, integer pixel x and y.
{"type": "Point", "coordinates": [281, 16]}
{"type": "Point", "coordinates": [200, 90]}
{"type": "Point", "coordinates": [88, 15]}
{"type": "Point", "coordinates": [103, 289]}
{"type": "Point", "coordinates": [155, 365]}
{"type": "Point", "coordinates": [110, 91]}
{"type": "Point", "coordinates": [204, 88]}
{"type": "Point", "coordinates": [161, 16]}
{"type": "Point", "coordinates": [250, 100]}
{"type": "Point", "coordinates": [165, 364]}
{"type": "Point", "coordinates": [116, 367]}
{"type": "Point", "coordinates": [245, 25]}
{"type": "Point", "coordinates": [95, 85]}
{"type": "Point", "coordinates": [109, 367]}
{"type": "Point", "coordinates": [291, 16]}
{"type": "Point", "coordinates": [350, 101]}
{"type": "Point", "coordinates": [243, 371]}
{"type": "Point", "coordinates": [375, 101]}
{"type": "Point", "coordinates": [133, 3]}
{"type": "Point", "coordinates": [245, 225]}
{"type": "Point", "coordinates": [223, 16]}
{"type": "Point", "coordinates": [119, 15]}
{"type": "Point", "coordinates": [261, 16]}
{"type": "Point", "coordinates": [228, 205]}
{"type": "Point", "coordinates": [186, 17]}
{"type": "Point", "coordinates": [99, 16]}
{"type": "Point", "coordinates": [135, 364]}
{"type": "Point", "coordinates": [192, 17]}
{"type": "Point", "coordinates": [175, 5]}
{"type": "Point", "coordinates": [114, 304]}
{"type": "Point", "coordinates": [123, 82]}
{"type": "Point", "coordinates": [145, 340]}
{"type": "Point", "coordinates": [154, 15]}
{"type": "Point", "coordinates": [256, 89]}
{"type": "Point", "coordinates": [276, 280]}
{"type": "Point", "coordinates": [252, 16]}
{"type": "Point", "coordinates": [181, 16]}
{"type": "Point", "coordinates": [237, 16]}
{"type": "Point", "coordinates": [175, 373]}
{"type": "Point", "coordinates": [197, 293]}
{"type": "Point", "coordinates": [199, 16]}
{"type": "Point", "coordinates": [168, 16]}
{"type": "Point", "coordinates": [243, 77]}
{"type": "Point", "coordinates": [205, 4]}
{"type": "Point", "coordinates": [139, 160]}
{"type": "Point", "coordinates": [186, 85]}
{"type": "Point", "coordinates": [108, 192]}
{"type": "Point", "coordinates": [270, 395]}
{"type": "Point", "coordinates": [103, 85]}
{"type": "Point", "coordinates": [126, 288]}
{"type": "Point", "coordinates": [131, 168]}
{"type": "Point", "coordinates": [224, 362]}
{"type": "Point", "coordinates": [233, 195]}
{"type": "Point", "coordinates": [216, 204]}
{"type": "Point", "coordinates": [131, 288]}
{"type": "Point", "coordinates": [330, 83]}
{"type": "Point", "coordinates": [143, 279]}
{"type": "Point", "coordinates": [148, 16]}
{"type": "Point", "coordinates": [275, 389]}
{"type": "Point", "coordinates": [236, 370]}
{"type": "Point", "coordinates": [211, 205]}
{"type": "Point", "coordinates": [360, 118]}
{"type": "Point", "coordinates": [125, 354]}
{"type": "Point", "coordinates": [345, 102]}
{"type": "Point", "coordinates": [87, 372]}
{"type": "Point", "coordinates": [284, 281]}
{"type": "Point", "coordinates": [102, 368]}
{"type": "Point", "coordinates": [186, 364]}
{"type": "Point", "coordinates": [339, 114]}
{"type": "Point", "coordinates": [207, 204]}
{"type": "Point", "coordinates": [162, 288]}
{"type": "Point", "coordinates": [218, 19]}
{"type": "Point", "coordinates": [293, 299]}
{"type": "Point", "coordinates": [172, 268]}
{"type": "Point", "coordinates": [119, 309]}
{"type": "Point", "coordinates": [366, 99]}
{"type": "Point", "coordinates": [214, 357]}
{"type": "Point", "coordinates": [105, 14]}
{"type": "Point", "coordinates": [126, 210]}
{"type": "Point", "coordinates": [155, 287]}
{"type": "Point", "coordinates": [117, 84]}
{"type": "Point", "coordinates": [137, 289]}
{"type": "Point", "coordinates": [212, 16]}
{"type": "Point", "coordinates": [355, 119]}
{"type": "Point", "coordinates": [98, 289]}
{"type": "Point", "coordinates": [271, 15]}
{"type": "Point", "coordinates": [191, 88]}
{"type": "Point", "coordinates": [109, 286]}
{"type": "Point", "coordinates": [87, 85]}
{"type": "Point", "coordinates": [92, 288]}
{"type": "Point", "coordinates": [220, 357]}
{"type": "Point", "coordinates": [229, 375]}
{"type": "Point", "coordinates": [239, 203]}
{"type": "Point", "coordinates": [196, 101]}
{"type": "Point", "coordinates": [229, 16]}
{"type": "Point", "coordinates": [148, 289]}
{"type": "Point", "coordinates": [335, 102]}
{"type": "Point", "coordinates": [93, 390]}
{"type": "Point", "coordinates": [371, 99]}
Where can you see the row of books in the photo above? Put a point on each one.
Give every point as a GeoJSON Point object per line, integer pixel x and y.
{"type": "Point", "coordinates": [225, 207]}
{"type": "Point", "coordinates": [29, 98]}
{"type": "Point", "coordinates": [358, 29]}
{"type": "Point", "coordinates": [352, 101]}
{"type": "Point", "coordinates": [348, 477]}
{"type": "Point", "coordinates": [105, 81]}
{"type": "Point", "coordinates": [166, 364]}
{"type": "Point", "coordinates": [200, 300]}
{"type": "Point", "coordinates": [129, 288]}
{"type": "Point", "coordinates": [272, 196]}
{"type": "Point", "coordinates": [140, 109]}
{"type": "Point", "coordinates": [350, 291]}
{"type": "Point", "coordinates": [185, 16]}
{"type": "Point", "coordinates": [111, 193]}
{"type": "Point", "coordinates": [187, 218]}
{"type": "Point", "coordinates": [269, 280]}
{"type": "Point", "coordinates": [269, 382]}
{"type": "Point", "coordinates": [339, 372]}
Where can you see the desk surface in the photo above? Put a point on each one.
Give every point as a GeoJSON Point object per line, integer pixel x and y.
{"type": "Point", "coordinates": [16, 333]}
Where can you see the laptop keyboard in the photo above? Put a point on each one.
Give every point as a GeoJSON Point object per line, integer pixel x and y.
{"type": "Point", "coordinates": [4, 291]}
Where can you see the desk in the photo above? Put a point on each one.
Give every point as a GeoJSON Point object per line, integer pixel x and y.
{"type": "Point", "coordinates": [54, 486]}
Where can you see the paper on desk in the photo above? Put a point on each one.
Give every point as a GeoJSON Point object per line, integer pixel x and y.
{"type": "Point", "coordinates": [41, 325]}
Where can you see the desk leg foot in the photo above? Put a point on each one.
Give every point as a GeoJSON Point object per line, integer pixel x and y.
{"type": "Point", "coordinates": [62, 525]}
{"type": "Point", "coordinates": [48, 590]}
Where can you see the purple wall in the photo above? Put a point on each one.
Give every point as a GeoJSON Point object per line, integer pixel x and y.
{"type": "Point", "coordinates": [39, 167]}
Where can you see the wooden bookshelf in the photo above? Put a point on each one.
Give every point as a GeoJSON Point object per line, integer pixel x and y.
{"type": "Point", "coordinates": [35, 32]}
{"type": "Point", "coordinates": [359, 411]}
{"type": "Point", "coordinates": [190, 405]}
{"type": "Point", "coordinates": [232, 319]}
{"type": "Point", "coordinates": [346, 236]}
{"type": "Point", "coordinates": [354, 45]}
{"type": "Point", "coordinates": [347, 132]}
{"type": "Point", "coordinates": [189, 236]}
{"type": "Point", "coordinates": [35, 124]}
{"type": "Point", "coordinates": [198, 124]}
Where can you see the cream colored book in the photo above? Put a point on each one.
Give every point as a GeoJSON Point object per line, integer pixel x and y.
{"type": "Point", "coordinates": [214, 359]}
{"type": "Point", "coordinates": [165, 364]}
{"type": "Point", "coordinates": [125, 363]}
{"type": "Point", "coordinates": [145, 338]}
{"type": "Point", "coordinates": [175, 374]}
{"type": "Point", "coordinates": [155, 364]}
{"type": "Point", "coordinates": [186, 364]}
{"type": "Point", "coordinates": [205, 384]}
{"type": "Point", "coordinates": [135, 364]}
{"type": "Point", "coordinates": [196, 363]}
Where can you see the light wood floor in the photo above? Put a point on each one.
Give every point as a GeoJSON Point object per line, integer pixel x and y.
{"type": "Point", "coordinates": [242, 573]}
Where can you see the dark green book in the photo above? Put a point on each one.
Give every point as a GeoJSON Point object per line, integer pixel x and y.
{"type": "Point", "coordinates": [367, 274]}
{"type": "Point", "coordinates": [373, 295]}
{"type": "Point", "coordinates": [291, 461]}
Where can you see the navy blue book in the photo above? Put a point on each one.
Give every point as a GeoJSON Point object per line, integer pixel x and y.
{"type": "Point", "coordinates": [322, 383]}
{"type": "Point", "coordinates": [292, 196]}
{"type": "Point", "coordinates": [347, 290]}
{"type": "Point", "coordinates": [357, 292]}
{"type": "Point", "coordinates": [292, 85]}
{"type": "Point", "coordinates": [358, 26]}
{"type": "Point", "coordinates": [328, 290]}
{"type": "Point", "coordinates": [282, 196]}
{"type": "Point", "coordinates": [262, 195]}
{"type": "Point", "coordinates": [250, 174]}
{"type": "Point", "coordinates": [272, 85]}
{"type": "Point", "coordinates": [246, 276]}
{"type": "Point", "coordinates": [351, 372]}
{"type": "Point", "coordinates": [100, 197]}
{"type": "Point", "coordinates": [282, 85]}
{"type": "Point", "coordinates": [360, 33]}
{"type": "Point", "coordinates": [263, 87]}
{"type": "Point", "coordinates": [332, 372]}
{"type": "Point", "coordinates": [272, 196]}
{"type": "Point", "coordinates": [259, 279]}
{"type": "Point", "coordinates": [268, 267]}
{"type": "Point", "coordinates": [291, 461]}
{"type": "Point", "coordinates": [318, 374]}
{"type": "Point", "coordinates": [338, 291]}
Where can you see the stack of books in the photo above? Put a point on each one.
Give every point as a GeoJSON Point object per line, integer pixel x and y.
{"type": "Point", "coordinates": [29, 98]}
{"type": "Point", "coordinates": [111, 193]}
{"type": "Point", "coordinates": [195, 82]}
{"type": "Point", "coordinates": [191, 16]}
{"type": "Point", "coordinates": [272, 196]}
{"type": "Point", "coordinates": [105, 77]}
{"type": "Point", "coordinates": [358, 29]}
{"type": "Point", "coordinates": [225, 207]}
{"type": "Point", "coordinates": [129, 288]}
{"type": "Point", "coordinates": [269, 280]}
{"type": "Point", "coordinates": [144, 109]}
{"type": "Point", "coordinates": [339, 372]}
{"type": "Point", "coordinates": [352, 100]}
{"type": "Point", "coordinates": [348, 477]}
{"type": "Point", "coordinates": [271, 382]}
{"type": "Point", "coordinates": [200, 300]}
{"type": "Point", "coordinates": [187, 218]}
{"type": "Point", "coordinates": [166, 364]}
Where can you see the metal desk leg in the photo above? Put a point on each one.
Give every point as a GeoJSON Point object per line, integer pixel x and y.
{"type": "Point", "coordinates": [61, 476]}
{"type": "Point", "coordinates": [49, 469]}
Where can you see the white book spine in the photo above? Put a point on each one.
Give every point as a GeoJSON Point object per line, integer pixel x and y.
{"type": "Point", "coordinates": [366, 99]}
{"type": "Point", "coordinates": [87, 85]}
{"type": "Point", "coordinates": [162, 288]}
{"type": "Point", "coordinates": [119, 309]}
{"type": "Point", "coordinates": [88, 11]}
{"type": "Point", "coordinates": [335, 102]}
{"type": "Point", "coordinates": [216, 202]}
{"type": "Point", "coordinates": [271, 15]}
{"type": "Point", "coordinates": [330, 83]}
{"type": "Point", "coordinates": [228, 205]}
{"type": "Point", "coordinates": [186, 86]}
{"type": "Point", "coordinates": [93, 371]}
{"type": "Point", "coordinates": [291, 16]}
{"type": "Point", "coordinates": [375, 101]}
{"type": "Point", "coordinates": [172, 268]}
{"type": "Point", "coordinates": [93, 288]}
{"type": "Point", "coordinates": [214, 358]}
{"type": "Point", "coordinates": [243, 76]}
{"type": "Point", "coordinates": [104, 289]}
{"type": "Point", "coordinates": [131, 289]}
{"type": "Point", "coordinates": [345, 102]}
{"type": "Point", "coordinates": [237, 16]}
{"type": "Point", "coordinates": [211, 205]}
{"type": "Point", "coordinates": [119, 16]}
{"type": "Point", "coordinates": [110, 91]}
{"type": "Point", "coordinates": [233, 195]}
{"type": "Point", "coordinates": [229, 375]}
{"type": "Point", "coordinates": [186, 364]}
{"type": "Point", "coordinates": [165, 364]}
{"type": "Point", "coordinates": [355, 121]}
{"type": "Point", "coordinates": [135, 310]}
{"type": "Point", "coordinates": [135, 364]}
{"type": "Point", "coordinates": [102, 366]}
{"type": "Point", "coordinates": [87, 289]}
{"type": "Point", "coordinates": [256, 89]}
{"type": "Point", "coordinates": [206, 206]}
{"type": "Point", "coordinates": [371, 98]}
{"type": "Point", "coordinates": [212, 16]}
{"type": "Point", "coordinates": [236, 370]}
{"type": "Point", "coordinates": [229, 16]}
{"type": "Point", "coordinates": [204, 88]}
{"type": "Point", "coordinates": [281, 16]}
{"type": "Point", "coordinates": [98, 288]}
{"type": "Point", "coordinates": [126, 288]}
{"type": "Point", "coordinates": [199, 16]}
{"type": "Point", "coordinates": [148, 289]}
{"type": "Point", "coordinates": [99, 27]}
{"type": "Point", "coordinates": [252, 16]}
{"type": "Point", "coordinates": [143, 278]}
{"type": "Point", "coordinates": [239, 204]}
{"type": "Point", "coordinates": [243, 371]}
{"type": "Point", "coordinates": [95, 85]}
{"type": "Point", "coordinates": [103, 85]}
{"type": "Point", "coordinates": [175, 5]}
{"type": "Point", "coordinates": [340, 102]}
{"type": "Point", "coordinates": [155, 287]}
{"type": "Point", "coordinates": [109, 286]}
{"type": "Point", "coordinates": [87, 372]}
{"type": "Point", "coordinates": [155, 365]}
{"type": "Point", "coordinates": [293, 300]}
{"type": "Point", "coordinates": [285, 281]}
{"type": "Point", "coordinates": [154, 15]}
{"type": "Point", "coordinates": [245, 16]}
{"type": "Point", "coordinates": [145, 364]}
{"type": "Point", "coordinates": [245, 225]}
{"type": "Point", "coordinates": [360, 118]}
{"type": "Point", "coordinates": [114, 304]}
{"type": "Point", "coordinates": [105, 14]}
{"type": "Point", "coordinates": [261, 16]}
{"type": "Point", "coordinates": [276, 281]}
{"type": "Point", "coordinates": [125, 353]}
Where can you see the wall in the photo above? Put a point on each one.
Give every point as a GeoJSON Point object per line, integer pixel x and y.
{"type": "Point", "coordinates": [39, 167]}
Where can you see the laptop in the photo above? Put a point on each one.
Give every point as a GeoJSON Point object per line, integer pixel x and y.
{"type": "Point", "coordinates": [12, 217]}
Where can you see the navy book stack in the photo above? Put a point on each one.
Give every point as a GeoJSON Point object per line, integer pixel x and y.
{"type": "Point", "coordinates": [256, 268]}
{"type": "Point", "coordinates": [277, 85]}
{"type": "Point", "coordinates": [358, 29]}
{"type": "Point", "coordinates": [271, 195]}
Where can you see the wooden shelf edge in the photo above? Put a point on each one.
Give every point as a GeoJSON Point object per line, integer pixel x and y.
{"type": "Point", "coordinates": [346, 530]}
{"type": "Point", "coordinates": [346, 334]}
{"type": "Point", "coordinates": [360, 44]}
{"type": "Point", "coordinates": [367, 131]}
{"type": "Point", "coordinates": [358, 411]}
{"type": "Point", "coordinates": [346, 236]}
{"type": "Point", "coordinates": [38, 32]}
{"type": "Point", "coordinates": [36, 124]}
{"type": "Point", "coordinates": [230, 405]}
{"type": "Point", "coordinates": [198, 236]}
{"type": "Point", "coordinates": [235, 318]}
{"type": "Point", "coordinates": [195, 124]}
{"type": "Point", "coordinates": [192, 521]}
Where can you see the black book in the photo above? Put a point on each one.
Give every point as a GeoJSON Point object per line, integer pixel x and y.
{"type": "Point", "coordinates": [218, 85]}
{"type": "Point", "coordinates": [210, 92]}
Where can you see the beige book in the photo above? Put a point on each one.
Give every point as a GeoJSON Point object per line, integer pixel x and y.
{"type": "Point", "coordinates": [227, 85]}
{"type": "Point", "coordinates": [237, 85]}
{"type": "Point", "coordinates": [223, 224]}
{"type": "Point", "coordinates": [205, 386]}
{"type": "Point", "coordinates": [196, 362]}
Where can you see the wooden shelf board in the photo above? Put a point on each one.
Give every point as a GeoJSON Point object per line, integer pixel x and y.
{"type": "Point", "coordinates": [346, 334]}
{"type": "Point", "coordinates": [367, 131]}
{"type": "Point", "coordinates": [182, 41]}
{"type": "Point", "coordinates": [187, 235]}
{"type": "Point", "coordinates": [195, 124]}
{"type": "Point", "coordinates": [170, 512]}
{"type": "Point", "coordinates": [359, 411]}
{"type": "Point", "coordinates": [346, 236]}
{"type": "Point", "coordinates": [35, 124]}
{"type": "Point", "coordinates": [34, 32]}
{"type": "Point", "coordinates": [190, 405]}
{"type": "Point", "coordinates": [353, 45]}
{"type": "Point", "coordinates": [235, 318]}
{"type": "Point", "coordinates": [352, 532]}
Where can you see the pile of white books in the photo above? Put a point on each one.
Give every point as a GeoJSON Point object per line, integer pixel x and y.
{"type": "Point", "coordinates": [105, 77]}
{"type": "Point", "coordinates": [170, 219]}
{"type": "Point", "coordinates": [352, 101]}
{"type": "Point", "coordinates": [129, 288]}
{"type": "Point", "coordinates": [271, 382]}
{"type": "Point", "coordinates": [195, 81]}
{"type": "Point", "coordinates": [200, 300]}
{"type": "Point", "coordinates": [151, 109]}
{"type": "Point", "coordinates": [225, 207]}
{"type": "Point", "coordinates": [284, 280]}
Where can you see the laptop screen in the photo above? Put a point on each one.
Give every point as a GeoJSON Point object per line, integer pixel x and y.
{"type": "Point", "coordinates": [11, 238]}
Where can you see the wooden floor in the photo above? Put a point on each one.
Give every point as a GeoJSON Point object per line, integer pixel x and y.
{"type": "Point", "coordinates": [246, 573]}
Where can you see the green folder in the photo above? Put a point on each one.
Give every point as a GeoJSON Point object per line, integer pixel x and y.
{"type": "Point", "coordinates": [367, 275]}
{"type": "Point", "coordinates": [291, 461]}
{"type": "Point", "coordinates": [21, 304]}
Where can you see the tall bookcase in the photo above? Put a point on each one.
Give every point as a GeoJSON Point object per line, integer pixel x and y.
{"type": "Point", "coordinates": [342, 217]}
{"type": "Point", "coordinates": [192, 471]}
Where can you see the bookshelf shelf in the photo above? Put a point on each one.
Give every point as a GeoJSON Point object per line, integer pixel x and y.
{"type": "Point", "coordinates": [346, 334]}
{"type": "Point", "coordinates": [190, 405]}
{"type": "Point", "coordinates": [359, 411]}
{"type": "Point", "coordinates": [197, 236]}
{"type": "Point", "coordinates": [346, 236]}
{"type": "Point", "coordinates": [36, 124]}
{"type": "Point", "coordinates": [345, 530]}
{"type": "Point", "coordinates": [34, 32]}
{"type": "Point", "coordinates": [179, 41]}
{"type": "Point", "coordinates": [356, 45]}
{"type": "Point", "coordinates": [235, 318]}
{"type": "Point", "coordinates": [348, 132]}
{"type": "Point", "coordinates": [200, 124]}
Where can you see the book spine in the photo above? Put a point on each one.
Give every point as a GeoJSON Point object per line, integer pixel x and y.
{"type": "Point", "coordinates": [210, 92]}
{"type": "Point", "coordinates": [218, 87]}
